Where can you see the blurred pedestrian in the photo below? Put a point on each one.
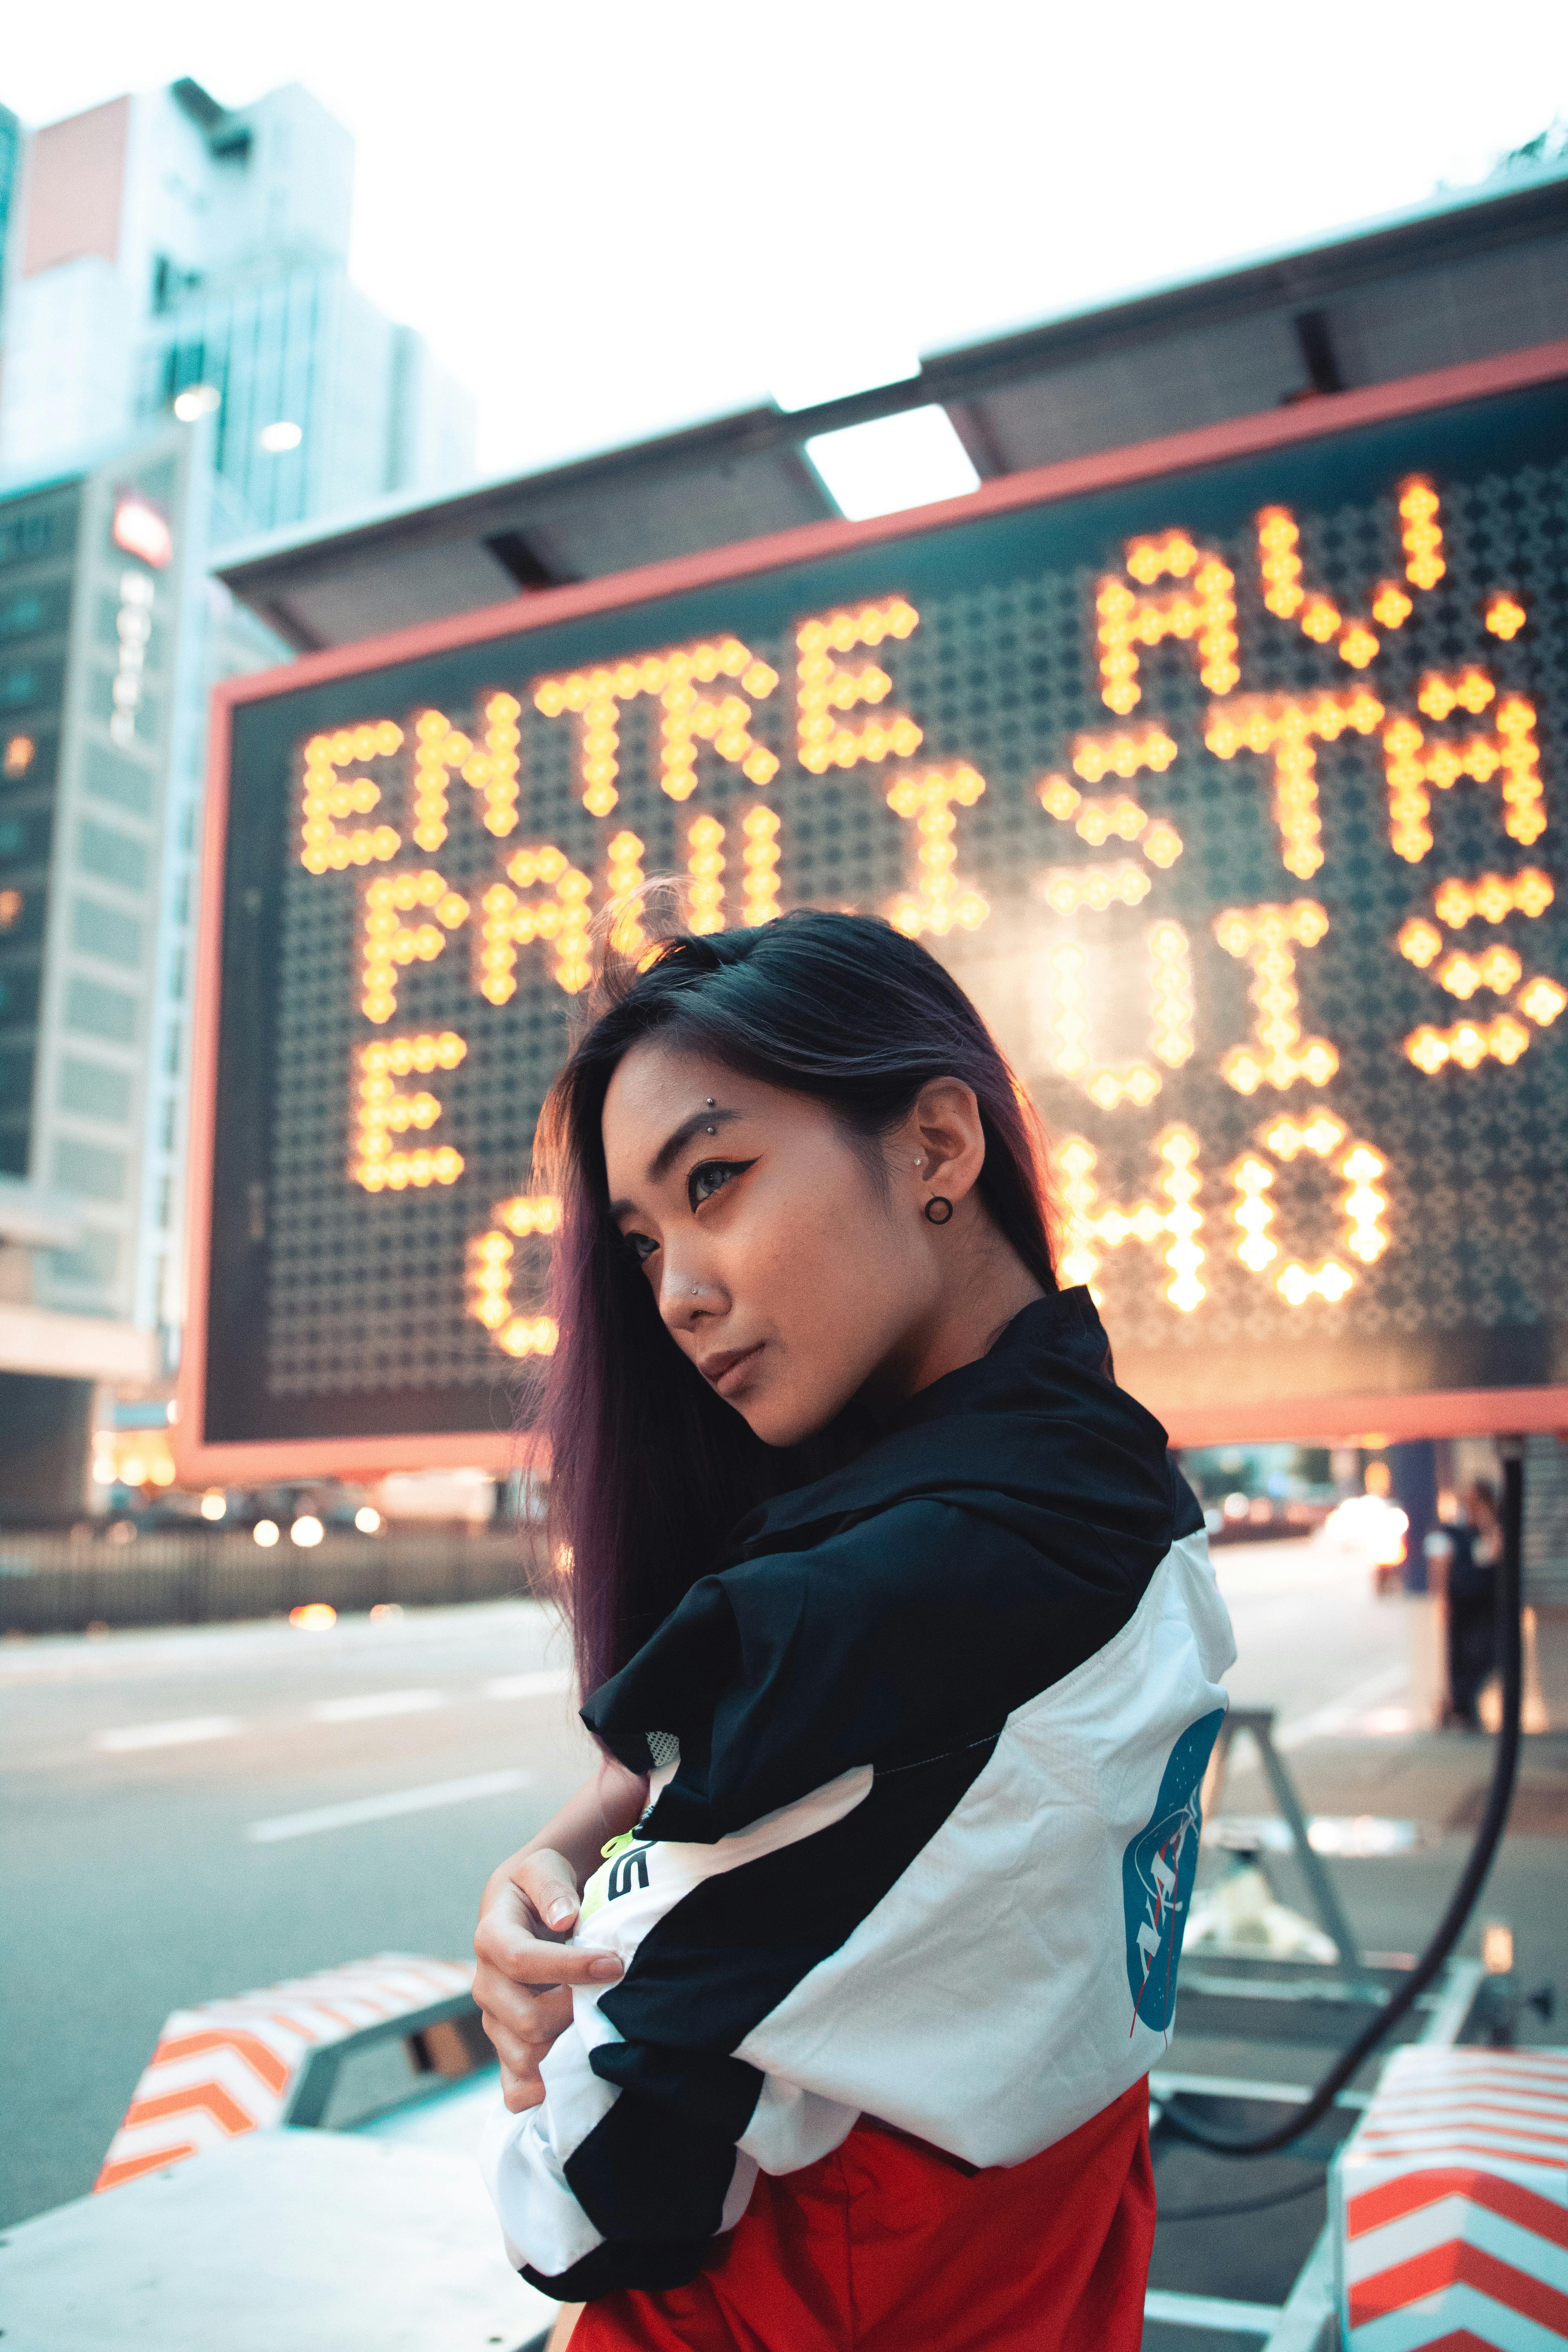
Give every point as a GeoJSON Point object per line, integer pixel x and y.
{"type": "Point", "coordinates": [900, 1643]}
{"type": "Point", "coordinates": [1477, 1550]}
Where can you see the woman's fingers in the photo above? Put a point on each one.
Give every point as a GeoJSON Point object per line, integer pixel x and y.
{"type": "Point", "coordinates": [509, 1937]}
{"type": "Point", "coordinates": [545, 1880]}
{"type": "Point", "coordinates": [521, 2051]}
{"type": "Point", "coordinates": [524, 2019]}
{"type": "Point", "coordinates": [523, 2027]}
{"type": "Point", "coordinates": [523, 1957]}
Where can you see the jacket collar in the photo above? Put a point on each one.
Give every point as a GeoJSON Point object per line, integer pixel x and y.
{"type": "Point", "coordinates": [990, 1424]}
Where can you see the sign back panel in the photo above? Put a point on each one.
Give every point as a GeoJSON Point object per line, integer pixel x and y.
{"type": "Point", "coordinates": [1226, 782]}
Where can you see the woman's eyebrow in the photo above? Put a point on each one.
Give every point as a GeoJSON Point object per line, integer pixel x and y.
{"type": "Point", "coordinates": [670, 1148]}
{"type": "Point", "coordinates": [675, 1144]}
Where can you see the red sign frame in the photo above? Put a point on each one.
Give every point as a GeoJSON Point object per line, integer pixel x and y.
{"type": "Point", "coordinates": [1437, 1413]}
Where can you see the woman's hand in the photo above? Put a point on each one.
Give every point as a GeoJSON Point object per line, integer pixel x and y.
{"type": "Point", "coordinates": [524, 1978]}
{"type": "Point", "coordinates": [524, 1981]}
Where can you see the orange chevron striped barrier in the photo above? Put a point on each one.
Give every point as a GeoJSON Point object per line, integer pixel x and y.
{"type": "Point", "coordinates": [1452, 2199]}
{"type": "Point", "coordinates": [230, 2066]}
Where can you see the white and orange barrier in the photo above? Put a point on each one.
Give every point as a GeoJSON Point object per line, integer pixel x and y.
{"type": "Point", "coordinates": [1451, 2200]}
{"type": "Point", "coordinates": [235, 2066]}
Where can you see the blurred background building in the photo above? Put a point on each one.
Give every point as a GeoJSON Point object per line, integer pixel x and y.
{"type": "Point", "coordinates": [183, 362]}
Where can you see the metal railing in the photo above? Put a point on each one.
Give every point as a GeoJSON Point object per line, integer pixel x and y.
{"type": "Point", "coordinates": [53, 1583]}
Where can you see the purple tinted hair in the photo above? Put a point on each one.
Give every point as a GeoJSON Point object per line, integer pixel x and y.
{"type": "Point", "coordinates": [649, 1469]}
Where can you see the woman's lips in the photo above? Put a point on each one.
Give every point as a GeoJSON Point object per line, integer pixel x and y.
{"type": "Point", "coordinates": [728, 1372]}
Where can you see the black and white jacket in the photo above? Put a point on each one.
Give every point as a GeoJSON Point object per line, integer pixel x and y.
{"type": "Point", "coordinates": [926, 1763]}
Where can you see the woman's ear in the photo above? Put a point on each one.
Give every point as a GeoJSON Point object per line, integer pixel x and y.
{"type": "Point", "coordinates": [945, 1130]}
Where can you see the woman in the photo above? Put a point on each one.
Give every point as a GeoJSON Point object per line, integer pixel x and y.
{"type": "Point", "coordinates": [1471, 1592]}
{"type": "Point", "coordinates": [903, 1652]}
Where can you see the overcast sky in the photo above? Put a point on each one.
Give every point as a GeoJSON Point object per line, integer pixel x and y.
{"type": "Point", "coordinates": [611, 218]}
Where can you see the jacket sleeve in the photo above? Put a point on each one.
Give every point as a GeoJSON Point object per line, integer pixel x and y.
{"type": "Point", "coordinates": [901, 1635]}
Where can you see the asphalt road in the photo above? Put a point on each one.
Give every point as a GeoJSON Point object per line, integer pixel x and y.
{"type": "Point", "coordinates": [183, 1819]}
{"type": "Point", "coordinates": [190, 1813]}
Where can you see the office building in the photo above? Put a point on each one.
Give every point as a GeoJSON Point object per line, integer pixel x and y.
{"type": "Point", "coordinates": [176, 252]}
{"type": "Point", "coordinates": [183, 359]}
{"type": "Point", "coordinates": [10, 172]}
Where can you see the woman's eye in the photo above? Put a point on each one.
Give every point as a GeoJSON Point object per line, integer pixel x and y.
{"type": "Point", "coordinates": [641, 1245]}
{"type": "Point", "coordinates": [711, 1176]}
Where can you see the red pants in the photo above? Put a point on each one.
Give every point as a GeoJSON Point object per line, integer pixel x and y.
{"type": "Point", "coordinates": [887, 2246]}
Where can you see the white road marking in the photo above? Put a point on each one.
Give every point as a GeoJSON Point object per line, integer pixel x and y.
{"type": "Point", "coordinates": [386, 1809]}
{"type": "Point", "coordinates": [1341, 1714]}
{"type": "Point", "coordinates": [367, 1703]}
{"type": "Point", "coordinates": [184, 1733]}
{"type": "Point", "coordinates": [538, 1686]}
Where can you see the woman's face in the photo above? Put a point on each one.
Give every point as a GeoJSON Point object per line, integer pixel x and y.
{"type": "Point", "coordinates": [788, 1274]}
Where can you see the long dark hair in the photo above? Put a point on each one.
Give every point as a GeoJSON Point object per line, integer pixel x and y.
{"type": "Point", "coordinates": [651, 1470]}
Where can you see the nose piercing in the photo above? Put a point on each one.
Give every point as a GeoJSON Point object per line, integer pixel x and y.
{"type": "Point", "coordinates": [696, 1290]}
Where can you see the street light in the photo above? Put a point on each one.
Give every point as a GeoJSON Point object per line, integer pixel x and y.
{"type": "Point", "coordinates": [284, 434]}
{"type": "Point", "coordinates": [367, 1520]}
{"type": "Point", "coordinates": [265, 1533]}
{"type": "Point", "coordinates": [307, 1530]}
{"type": "Point", "coordinates": [214, 1505]}
{"type": "Point", "coordinates": [196, 401]}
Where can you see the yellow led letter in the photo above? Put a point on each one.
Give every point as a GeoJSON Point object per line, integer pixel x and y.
{"type": "Point", "coordinates": [1072, 1044]}
{"type": "Point", "coordinates": [1316, 615]}
{"type": "Point", "coordinates": [1361, 1206]}
{"type": "Point", "coordinates": [389, 942]}
{"type": "Point", "coordinates": [1115, 814]}
{"type": "Point", "coordinates": [940, 900]}
{"type": "Point", "coordinates": [825, 686]}
{"type": "Point", "coordinates": [1511, 752]}
{"type": "Point", "coordinates": [1266, 938]}
{"type": "Point", "coordinates": [491, 1271]}
{"type": "Point", "coordinates": [381, 1112]}
{"type": "Point", "coordinates": [1091, 1226]}
{"type": "Point", "coordinates": [1205, 609]}
{"type": "Point", "coordinates": [1467, 1043]}
{"type": "Point", "coordinates": [560, 918]}
{"type": "Point", "coordinates": [439, 749]}
{"type": "Point", "coordinates": [1284, 725]}
{"type": "Point", "coordinates": [324, 802]}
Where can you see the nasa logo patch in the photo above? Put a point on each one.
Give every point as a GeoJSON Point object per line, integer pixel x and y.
{"type": "Point", "coordinates": [1157, 1875]}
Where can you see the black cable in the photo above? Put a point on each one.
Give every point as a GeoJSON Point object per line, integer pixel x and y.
{"type": "Point", "coordinates": [1247, 2205]}
{"type": "Point", "coordinates": [1461, 1902]}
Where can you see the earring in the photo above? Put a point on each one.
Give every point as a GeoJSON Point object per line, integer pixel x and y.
{"type": "Point", "coordinates": [937, 1201]}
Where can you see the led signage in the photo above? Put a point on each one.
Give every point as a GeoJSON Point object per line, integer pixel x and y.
{"type": "Point", "coordinates": [141, 530]}
{"type": "Point", "coordinates": [1227, 780]}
